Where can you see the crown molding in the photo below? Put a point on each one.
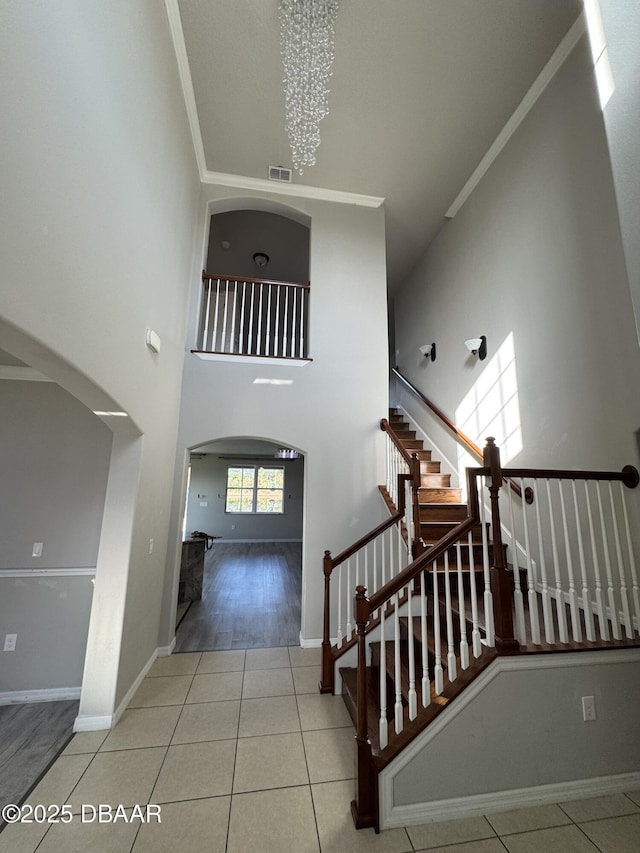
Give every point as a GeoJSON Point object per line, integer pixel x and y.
{"type": "Point", "coordinates": [545, 77]}
{"type": "Point", "coordinates": [299, 190]}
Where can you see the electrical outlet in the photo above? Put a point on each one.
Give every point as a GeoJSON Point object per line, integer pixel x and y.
{"type": "Point", "coordinates": [10, 642]}
{"type": "Point", "coordinates": [151, 546]}
{"type": "Point", "coordinates": [588, 708]}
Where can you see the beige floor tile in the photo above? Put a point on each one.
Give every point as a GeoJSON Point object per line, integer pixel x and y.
{"type": "Point", "coordinates": [22, 837]}
{"type": "Point", "coordinates": [304, 657]}
{"type": "Point", "coordinates": [179, 664]}
{"type": "Point", "coordinates": [125, 777]}
{"type": "Point", "coordinates": [60, 780]}
{"type": "Point", "coordinates": [426, 836]}
{"type": "Point", "coordinates": [332, 801]}
{"type": "Point", "coordinates": [306, 678]}
{"type": "Point", "coordinates": [486, 845]}
{"type": "Point", "coordinates": [615, 834]}
{"type": "Point", "coordinates": [215, 687]}
{"type": "Point", "coordinates": [273, 761]}
{"type": "Point", "coordinates": [271, 716]}
{"type": "Point", "coordinates": [141, 727]}
{"type": "Point", "coordinates": [267, 682]}
{"type": "Point", "coordinates": [634, 795]}
{"type": "Point", "coordinates": [162, 690]}
{"type": "Point", "coordinates": [322, 712]}
{"type": "Point", "coordinates": [273, 821]}
{"type": "Point", "coordinates": [85, 742]}
{"type": "Point", "coordinates": [595, 808]}
{"type": "Point", "coordinates": [330, 754]}
{"type": "Point", "coordinates": [524, 820]}
{"type": "Point", "coordinates": [267, 658]}
{"type": "Point", "coordinates": [196, 826]}
{"type": "Point", "coordinates": [226, 661]}
{"type": "Point", "coordinates": [195, 770]}
{"type": "Point", "coordinates": [207, 721]}
{"type": "Point", "coordinates": [560, 839]}
{"type": "Point", "coordinates": [79, 837]}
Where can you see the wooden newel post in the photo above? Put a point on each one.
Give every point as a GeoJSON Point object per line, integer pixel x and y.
{"type": "Point", "coordinates": [363, 808]}
{"type": "Point", "coordinates": [501, 580]}
{"type": "Point", "coordinates": [418, 546]}
{"type": "Point", "coordinates": [327, 678]}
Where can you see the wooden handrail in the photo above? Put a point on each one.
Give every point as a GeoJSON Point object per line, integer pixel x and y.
{"type": "Point", "coordinates": [628, 475]}
{"type": "Point", "coordinates": [368, 537]}
{"type": "Point", "coordinates": [471, 446]}
{"type": "Point", "coordinates": [305, 285]}
{"type": "Point", "coordinates": [385, 426]}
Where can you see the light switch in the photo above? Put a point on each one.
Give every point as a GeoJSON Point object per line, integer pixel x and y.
{"type": "Point", "coordinates": [37, 549]}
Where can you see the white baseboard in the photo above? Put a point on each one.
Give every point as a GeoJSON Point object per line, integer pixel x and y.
{"type": "Point", "coordinates": [165, 651]}
{"type": "Point", "coordinates": [500, 801]}
{"type": "Point", "coordinates": [51, 694]}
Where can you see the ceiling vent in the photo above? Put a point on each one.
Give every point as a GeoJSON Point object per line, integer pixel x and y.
{"type": "Point", "coordinates": [279, 173]}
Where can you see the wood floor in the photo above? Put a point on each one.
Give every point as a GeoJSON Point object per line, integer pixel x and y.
{"type": "Point", "coordinates": [31, 737]}
{"type": "Point", "coordinates": [250, 598]}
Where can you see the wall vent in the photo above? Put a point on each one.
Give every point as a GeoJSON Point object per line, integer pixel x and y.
{"type": "Point", "coordinates": [279, 173]}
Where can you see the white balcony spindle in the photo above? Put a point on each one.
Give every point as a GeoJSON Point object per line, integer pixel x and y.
{"type": "Point", "coordinates": [207, 315]}
{"type": "Point", "coordinates": [517, 591]}
{"type": "Point", "coordinates": [216, 315]}
{"type": "Point", "coordinates": [574, 609]}
{"type": "Point", "coordinates": [451, 648]}
{"type": "Point", "coordinates": [243, 318]}
{"type": "Point", "coordinates": [632, 562]}
{"type": "Point", "coordinates": [462, 617]}
{"type": "Point", "coordinates": [303, 330]}
{"type": "Point", "coordinates": [549, 630]}
{"type": "Point", "coordinates": [612, 610]}
{"type": "Point", "coordinates": [425, 687]}
{"type": "Point", "coordinates": [488, 596]}
{"type": "Point", "coordinates": [397, 666]}
{"type": "Point", "coordinates": [276, 340]}
{"type": "Point", "coordinates": [267, 348]}
{"type": "Point", "coordinates": [532, 594]}
{"type": "Point", "coordinates": [601, 608]}
{"type": "Point", "coordinates": [561, 615]}
{"type": "Point", "coordinates": [260, 321]}
{"type": "Point", "coordinates": [285, 325]}
{"type": "Point", "coordinates": [624, 592]}
{"type": "Point", "coordinates": [294, 334]}
{"type": "Point", "coordinates": [438, 674]}
{"type": "Point", "coordinates": [251, 320]}
{"type": "Point", "coordinates": [586, 594]}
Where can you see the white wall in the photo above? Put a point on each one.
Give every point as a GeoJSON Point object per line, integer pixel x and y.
{"type": "Point", "coordinates": [536, 251]}
{"type": "Point", "coordinates": [98, 215]}
{"type": "Point", "coordinates": [332, 409]}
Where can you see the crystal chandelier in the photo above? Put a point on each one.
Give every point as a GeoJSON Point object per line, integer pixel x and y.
{"type": "Point", "coordinates": [307, 36]}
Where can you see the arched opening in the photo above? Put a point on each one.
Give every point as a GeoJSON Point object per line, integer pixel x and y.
{"type": "Point", "coordinates": [241, 569]}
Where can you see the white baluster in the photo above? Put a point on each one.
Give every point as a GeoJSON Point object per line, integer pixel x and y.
{"type": "Point", "coordinates": [260, 321]}
{"type": "Point", "coordinates": [612, 611]}
{"type": "Point", "coordinates": [561, 615]}
{"type": "Point", "coordinates": [576, 629]}
{"type": "Point", "coordinates": [437, 639]}
{"type": "Point", "coordinates": [452, 670]}
{"type": "Point", "coordinates": [207, 309]}
{"type": "Point", "coordinates": [340, 636]}
{"type": "Point", "coordinates": [294, 311]}
{"type": "Point", "coordinates": [534, 621]}
{"type": "Point", "coordinates": [216, 315]}
{"type": "Point", "coordinates": [549, 631]}
{"type": "Point", "coordinates": [243, 319]}
{"type": "Point", "coordinates": [285, 327]}
{"type": "Point", "coordinates": [383, 730]}
{"type": "Point", "coordinates": [462, 618]}
{"type": "Point", "coordinates": [397, 669]}
{"type": "Point", "coordinates": [412, 696]}
{"type": "Point", "coordinates": [251, 348]}
{"type": "Point", "coordinates": [303, 299]}
{"type": "Point", "coordinates": [624, 593]}
{"type": "Point", "coordinates": [349, 633]}
{"type": "Point", "coordinates": [267, 348]}
{"type": "Point", "coordinates": [276, 324]}
{"type": "Point", "coordinates": [476, 639]}
{"type": "Point", "coordinates": [232, 330]}
{"type": "Point", "coordinates": [426, 687]}
{"type": "Point", "coordinates": [603, 622]}
{"type": "Point", "coordinates": [517, 592]}
{"type": "Point", "coordinates": [632, 562]}
{"type": "Point", "coordinates": [225, 310]}
{"type": "Point", "coordinates": [488, 597]}
{"type": "Point", "coordinates": [586, 594]}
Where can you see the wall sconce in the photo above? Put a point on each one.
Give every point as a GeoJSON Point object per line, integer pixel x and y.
{"type": "Point", "coordinates": [428, 351]}
{"type": "Point", "coordinates": [477, 346]}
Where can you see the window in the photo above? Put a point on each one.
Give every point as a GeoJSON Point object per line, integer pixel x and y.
{"type": "Point", "coordinates": [255, 490]}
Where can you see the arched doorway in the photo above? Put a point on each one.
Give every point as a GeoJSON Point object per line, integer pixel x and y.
{"type": "Point", "coordinates": [241, 571]}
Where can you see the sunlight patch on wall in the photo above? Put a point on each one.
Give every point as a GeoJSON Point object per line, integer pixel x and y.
{"type": "Point", "coordinates": [491, 407]}
{"type": "Point", "coordinates": [601, 63]}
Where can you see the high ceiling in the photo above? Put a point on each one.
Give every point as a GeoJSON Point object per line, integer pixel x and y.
{"type": "Point", "coordinates": [420, 90]}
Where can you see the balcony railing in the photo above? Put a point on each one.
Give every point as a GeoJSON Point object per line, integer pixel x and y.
{"type": "Point", "coordinates": [253, 317]}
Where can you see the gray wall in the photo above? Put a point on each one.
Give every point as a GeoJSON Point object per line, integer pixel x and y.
{"type": "Point", "coordinates": [535, 718]}
{"type": "Point", "coordinates": [54, 458]}
{"type": "Point", "coordinates": [536, 252]}
{"type": "Point", "coordinates": [208, 486]}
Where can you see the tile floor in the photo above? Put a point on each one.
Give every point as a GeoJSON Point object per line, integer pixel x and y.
{"type": "Point", "coordinates": [243, 754]}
